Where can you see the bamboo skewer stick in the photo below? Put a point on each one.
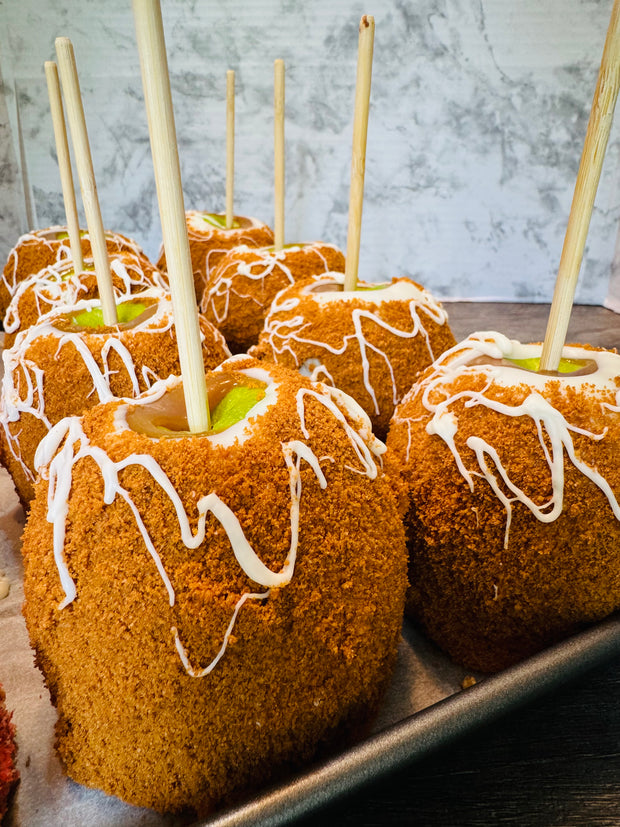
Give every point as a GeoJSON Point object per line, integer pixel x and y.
{"type": "Point", "coordinates": [162, 132]}
{"type": "Point", "coordinates": [230, 147]}
{"type": "Point", "coordinates": [23, 163]}
{"type": "Point", "coordinates": [83, 160]}
{"type": "Point", "coordinates": [588, 176]}
{"type": "Point", "coordinates": [358, 157]}
{"type": "Point", "coordinates": [64, 164]}
{"type": "Point", "coordinates": [278, 152]}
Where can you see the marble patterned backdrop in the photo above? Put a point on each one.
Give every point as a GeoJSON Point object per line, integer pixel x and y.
{"type": "Point", "coordinates": [478, 115]}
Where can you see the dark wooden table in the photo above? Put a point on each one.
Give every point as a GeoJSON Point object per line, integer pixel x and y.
{"type": "Point", "coordinates": [554, 762]}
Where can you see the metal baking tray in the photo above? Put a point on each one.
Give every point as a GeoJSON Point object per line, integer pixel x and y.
{"type": "Point", "coordinates": [421, 732]}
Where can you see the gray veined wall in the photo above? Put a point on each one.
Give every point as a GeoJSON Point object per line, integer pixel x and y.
{"type": "Point", "coordinates": [478, 115]}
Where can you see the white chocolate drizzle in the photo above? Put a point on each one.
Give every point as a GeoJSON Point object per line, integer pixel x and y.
{"type": "Point", "coordinates": [281, 334]}
{"type": "Point", "coordinates": [554, 430]}
{"type": "Point", "coordinates": [66, 444]}
{"type": "Point", "coordinates": [200, 673]}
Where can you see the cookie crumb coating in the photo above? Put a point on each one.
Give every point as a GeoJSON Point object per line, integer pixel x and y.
{"type": "Point", "coordinates": [59, 286]}
{"type": "Point", "coordinates": [53, 371]}
{"type": "Point", "coordinates": [42, 248]}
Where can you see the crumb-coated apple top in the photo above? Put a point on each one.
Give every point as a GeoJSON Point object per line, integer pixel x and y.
{"type": "Point", "coordinates": [69, 361]}
{"type": "Point", "coordinates": [41, 248]}
{"type": "Point", "coordinates": [490, 375]}
{"type": "Point", "coordinates": [245, 281]}
{"type": "Point", "coordinates": [209, 239]}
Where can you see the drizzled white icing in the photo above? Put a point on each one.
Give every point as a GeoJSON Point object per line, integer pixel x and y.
{"type": "Point", "coordinates": [66, 444]}
{"type": "Point", "coordinates": [263, 263]}
{"type": "Point", "coordinates": [59, 286]}
{"type": "Point", "coordinates": [364, 442]}
{"type": "Point", "coordinates": [282, 331]}
{"type": "Point", "coordinates": [23, 383]}
{"type": "Point", "coordinates": [398, 290]}
{"type": "Point", "coordinates": [554, 430]}
{"type": "Point", "coordinates": [200, 673]}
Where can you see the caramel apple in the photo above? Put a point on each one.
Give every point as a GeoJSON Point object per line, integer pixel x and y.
{"type": "Point", "coordinates": [41, 248]}
{"type": "Point", "coordinates": [60, 286]}
{"type": "Point", "coordinates": [209, 240]}
{"type": "Point", "coordinates": [246, 280]}
{"type": "Point", "coordinates": [513, 479]}
{"type": "Point", "coordinates": [369, 342]}
{"type": "Point", "coordinates": [210, 609]}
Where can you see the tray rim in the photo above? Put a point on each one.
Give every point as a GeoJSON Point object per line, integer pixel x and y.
{"type": "Point", "coordinates": [418, 734]}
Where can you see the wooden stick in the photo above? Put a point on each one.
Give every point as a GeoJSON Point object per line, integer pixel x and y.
{"type": "Point", "coordinates": [162, 132]}
{"type": "Point", "coordinates": [88, 187]}
{"type": "Point", "coordinates": [588, 176]}
{"type": "Point", "coordinates": [230, 147]}
{"type": "Point", "coordinates": [23, 164]}
{"type": "Point", "coordinates": [278, 152]}
{"type": "Point", "coordinates": [358, 157]}
{"type": "Point", "coordinates": [64, 164]}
